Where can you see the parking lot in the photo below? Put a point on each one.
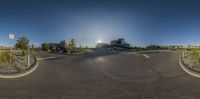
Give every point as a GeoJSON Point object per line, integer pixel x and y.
{"type": "Point", "coordinates": [101, 75]}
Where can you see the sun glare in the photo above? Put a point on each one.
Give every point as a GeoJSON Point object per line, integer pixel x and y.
{"type": "Point", "coordinates": [99, 41]}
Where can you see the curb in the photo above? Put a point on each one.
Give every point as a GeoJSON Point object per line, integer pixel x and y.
{"type": "Point", "coordinates": [190, 72]}
{"type": "Point", "coordinates": [18, 75]}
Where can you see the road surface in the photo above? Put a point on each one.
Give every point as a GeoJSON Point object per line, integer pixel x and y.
{"type": "Point", "coordinates": [104, 76]}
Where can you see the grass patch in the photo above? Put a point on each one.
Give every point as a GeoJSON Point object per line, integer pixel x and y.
{"type": "Point", "coordinates": [16, 61]}
{"type": "Point", "coordinates": [6, 57]}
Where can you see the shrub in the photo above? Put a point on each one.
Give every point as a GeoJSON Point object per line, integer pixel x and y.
{"type": "Point", "coordinates": [196, 56]}
{"type": "Point", "coordinates": [5, 57]}
{"type": "Point", "coordinates": [33, 53]}
{"type": "Point", "coordinates": [21, 68]}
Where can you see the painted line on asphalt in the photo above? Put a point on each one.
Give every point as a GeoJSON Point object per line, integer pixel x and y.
{"type": "Point", "coordinates": [146, 56]}
{"type": "Point", "coordinates": [52, 57]}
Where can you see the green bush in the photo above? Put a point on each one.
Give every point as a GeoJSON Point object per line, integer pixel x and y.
{"type": "Point", "coordinates": [195, 56]}
{"type": "Point", "coordinates": [33, 53]}
{"type": "Point", "coordinates": [23, 52]}
{"type": "Point", "coordinates": [5, 57]}
{"type": "Point", "coordinates": [82, 50]}
{"type": "Point", "coordinates": [21, 68]}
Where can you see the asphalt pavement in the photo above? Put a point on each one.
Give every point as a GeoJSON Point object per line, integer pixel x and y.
{"type": "Point", "coordinates": [104, 75]}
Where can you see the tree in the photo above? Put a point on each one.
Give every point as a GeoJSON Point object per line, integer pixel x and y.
{"type": "Point", "coordinates": [80, 46]}
{"type": "Point", "coordinates": [45, 47]}
{"type": "Point", "coordinates": [22, 43]}
{"type": "Point", "coordinates": [81, 49]}
{"type": "Point", "coordinates": [32, 47]}
{"type": "Point", "coordinates": [154, 47]}
{"type": "Point", "coordinates": [52, 48]}
{"type": "Point", "coordinates": [72, 44]}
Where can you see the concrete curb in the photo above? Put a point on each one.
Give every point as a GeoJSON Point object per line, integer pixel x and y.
{"type": "Point", "coordinates": [18, 75]}
{"type": "Point", "coordinates": [190, 72]}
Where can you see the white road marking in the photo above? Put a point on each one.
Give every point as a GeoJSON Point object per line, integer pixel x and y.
{"type": "Point", "coordinates": [46, 58]}
{"type": "Point", "coordinates": [146, 56]}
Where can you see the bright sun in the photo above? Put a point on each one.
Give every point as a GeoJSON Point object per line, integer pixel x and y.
{"type": "Point", "coordinates": [99, 41]}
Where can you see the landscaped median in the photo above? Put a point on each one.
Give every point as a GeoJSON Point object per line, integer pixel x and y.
{"type": "Point", "coordinates": [17, 64]}
{"type": "Point", "coordinates": [190, 64]}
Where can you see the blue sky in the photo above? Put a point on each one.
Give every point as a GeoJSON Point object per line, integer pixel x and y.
{"type": "Point", "coordinates": [140, 22]}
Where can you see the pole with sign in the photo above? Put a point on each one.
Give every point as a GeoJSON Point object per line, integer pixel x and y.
{"type": "Point", "coordinates": [28, 60]}
{"type": "Point", "coordinates": [11, 36]}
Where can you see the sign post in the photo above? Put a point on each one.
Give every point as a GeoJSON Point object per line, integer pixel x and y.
{"type": "Point", "coordinates": [28, 60]}
{"type": "Point", "coordinates": [11, 36]}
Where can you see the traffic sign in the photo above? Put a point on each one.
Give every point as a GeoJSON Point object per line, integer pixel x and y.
{"type": "Point", "coordinates": [11, 36]}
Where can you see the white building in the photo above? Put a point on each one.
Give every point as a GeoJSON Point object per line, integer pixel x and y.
{"type": "Point", "coordinates": [63, 44]}
{"type": "Point", "coordinates": [120, 44]}
{"type": "Point", "coordinates": [102, 45]}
